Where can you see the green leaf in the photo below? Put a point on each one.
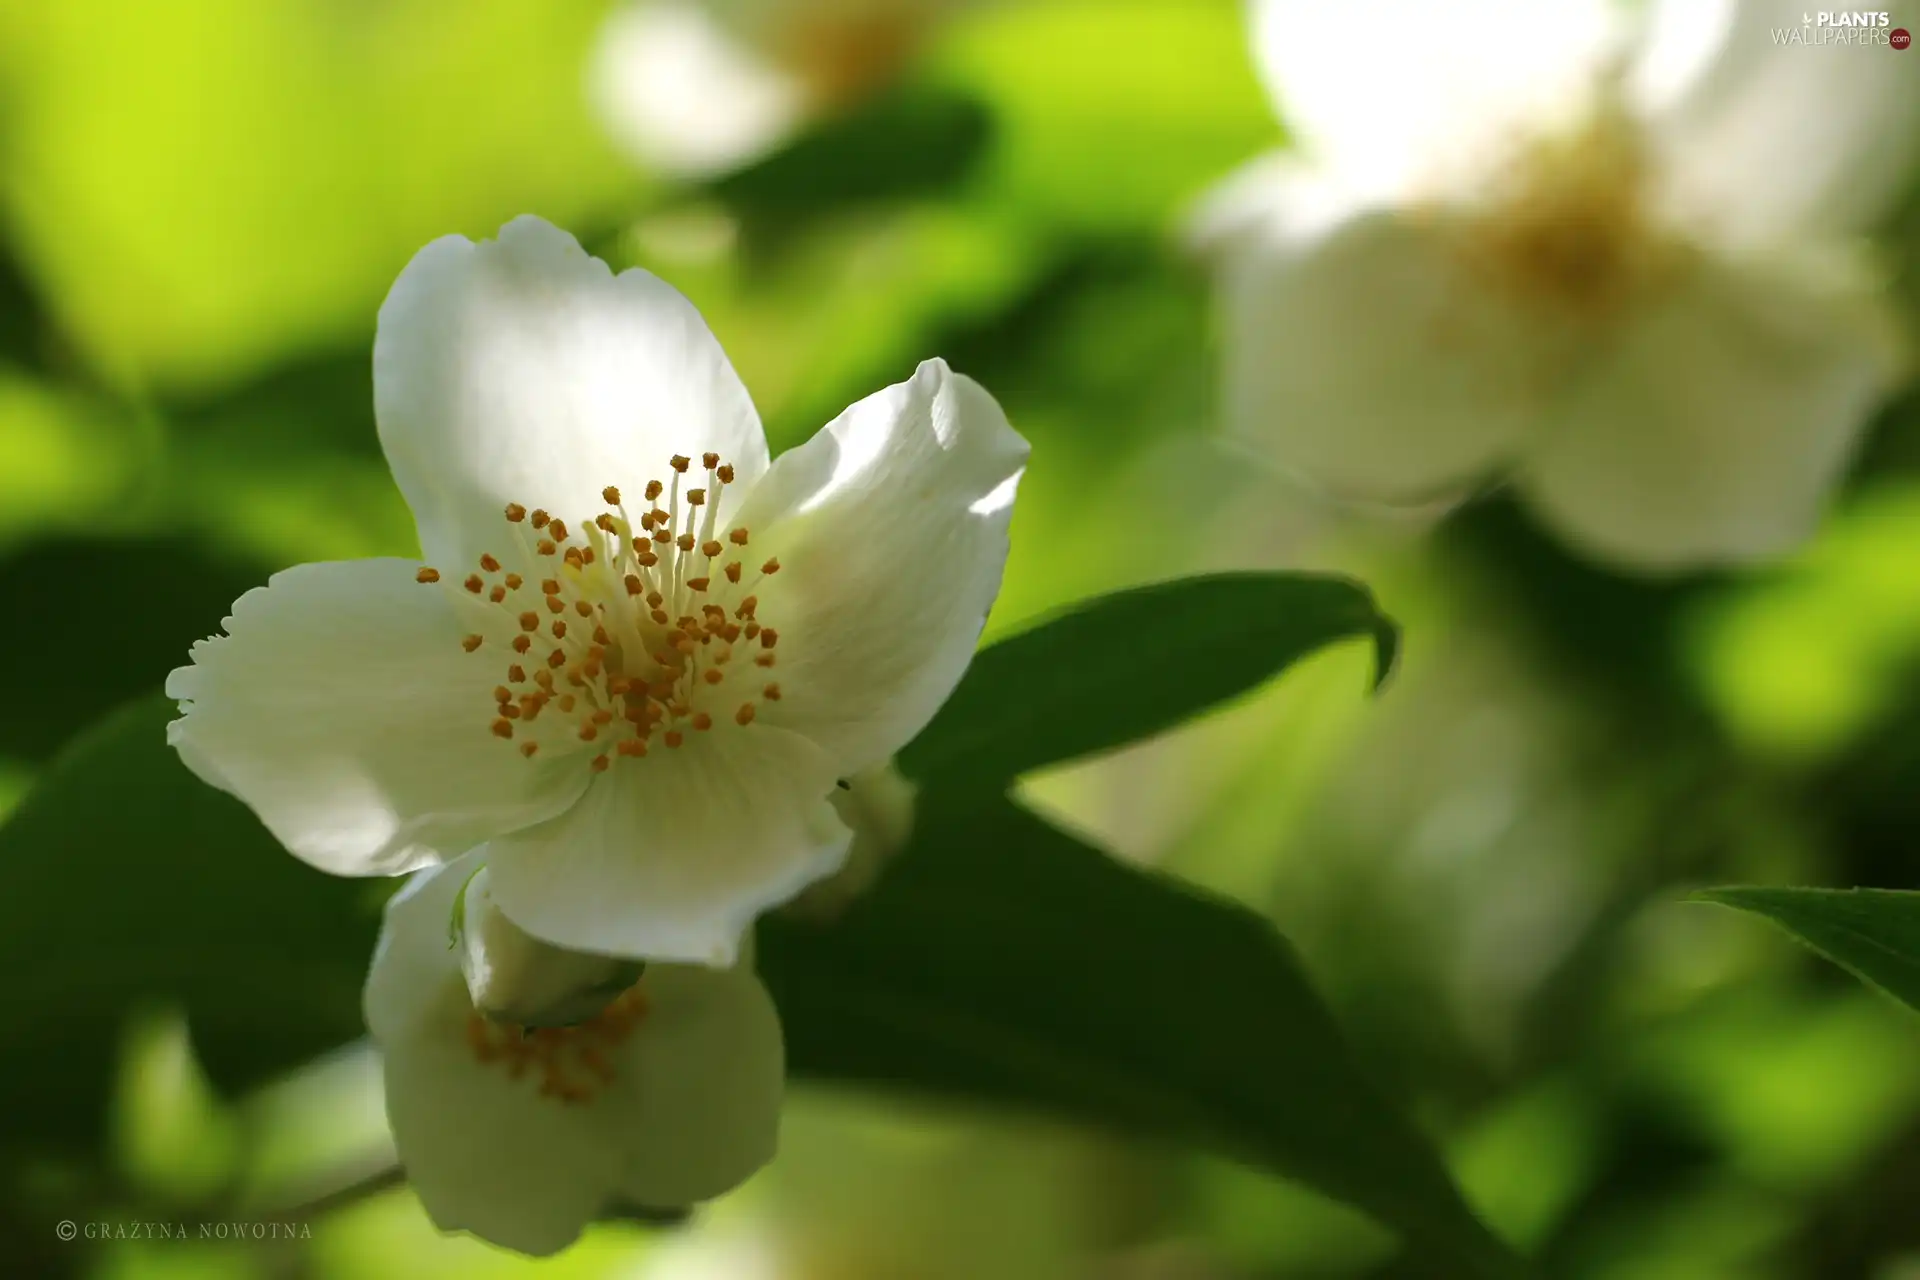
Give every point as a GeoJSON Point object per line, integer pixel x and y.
{"type": "Point", "coordinates": [1128, 665]}
{"type": "Point", "coordinates": [1872, 933]}
{"type": "Point", "coordinates": [1002, 960]}
{"type": "Point", "coordinates": [125, 882]}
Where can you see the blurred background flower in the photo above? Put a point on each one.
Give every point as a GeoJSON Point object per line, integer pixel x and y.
{"type": "Point", "coordinates": [1607, 252]}
{"type": "Point", "coordinates": [201, 205]}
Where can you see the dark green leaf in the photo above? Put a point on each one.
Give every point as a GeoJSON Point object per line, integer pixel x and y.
{"type": "Point", "coordinates": [1122, 667]}
{"type": "Point", "coordinates": [125, 881]}
{"type": "Point", "coordinates": [1872, 933]}
{"type": "Point", "coordinates": [1002, 960]}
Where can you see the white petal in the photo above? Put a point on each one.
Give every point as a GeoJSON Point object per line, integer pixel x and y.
{"type": "Point", "coordinates": [701, 1086]}
{"type": "Point", "coordinates": [683, 95]}
{"type": "Point", "coordinates": [1273, 201]}
{"type": "Point", "coordinates": [891, 529]}
{"type": "Point", "coordinates": [669, 857]}
{"type": "Point", "coordinates": [1375, 363]}
{"type": "Point", "coordinates": [1768, 141]}
{"type": "Point", "coordinates": [523, 370]}
{"type": "Point", "coordinates": [1714, 429]}
{"type": "Point", "coordinates": [1397, 93]}
{"type": "Point", "coordinates": [484, 1152]}
{"type": "Point", "coordinates": [342, 709]}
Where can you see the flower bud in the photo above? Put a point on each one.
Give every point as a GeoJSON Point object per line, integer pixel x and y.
{"type": "Point", "coordinates": [514, 977]}
{"type": "Point", "coordinates": [877, 805]}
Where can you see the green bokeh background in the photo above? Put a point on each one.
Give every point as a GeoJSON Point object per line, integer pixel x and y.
{"type": "Point", "coordinates": [201, 206]}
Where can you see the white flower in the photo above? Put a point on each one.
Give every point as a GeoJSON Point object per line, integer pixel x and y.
{"type": "Point", "coordinates": [698, 88]}
{"type": "Point", "coordinates": [668, 1096]}
{"type": "Point", "coordinates": [1607, 258]}
{"type": "Point", "coordinates": [642, 700]}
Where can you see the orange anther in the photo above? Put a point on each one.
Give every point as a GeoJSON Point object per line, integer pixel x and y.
{"type": "Point", "coordinates": [654, 489]}
{"type": "Point", "coordinates": [599, 764]}
{"type": "Point", "coordinates": [474, 583]}
{"type": "Point", "coordinates": [698, 584]}
{"type": "Point", "coordinates": [733, 571]}
{"type": "Point", "coordinates": [600, 636]}
{"type": "Point", "coordinates": [502, 694]}
{"type": "Point", "coordinates": [471, 643]}
{"type": "Point", "coordinates": [725, 474]}
{"type": "Point", "coordinates": [545, 547]}
{"type": "Point", "coordinates": [611, 494]}
{"type": "Point", "coordinates": [738, 537]}
{"type": "Point", "coordinates": [647, 559]}
{"type": "Point", "coordinates": [557, 530]}
{"type": "Point", "coordinates": [540, 518]}
{"type": "Point", "coordinates": [680, 463]}
{"type": "Point", "coordinates": [634, 585]}
{"type": "Point", "coordinates": [515, 512]}
{"type": "Point", "coordinates": [556, 605]}
{"type": "Point", "coordinates": [529, 620]}
{"type": "Point", "coordinates": [559, 629]}
{"type": "Point", "coordinates": [503, 728]}
{"type": "Point", "coordinates": [744, 715]}
{"type": "Point", "coordinates": [588, 732]}
{"type": "Point", "coordinates": [574, 557]}
{"type": "Point", "coordinates": [513, 581]}
{"type": "Point", "coordinates": [674, 738]}
{"type": "Point", "coordinates": [528, 748]}
{"type": "Point", "coordinates": [684, 542]}
{"type": "Point", "coordinates": [558, 658]}
{"type": "Point", "coordinates": [771, 693]}
{"type": "Point", "coordinates": [498, 595]}
{"type": "Point", "coordinates": [659, 616]}
{"type": "Point", "coordinates": [696, 497]}
{"type": "Point", "coordinates": [710, 548]}
{"type": "Point", "coordinates": [769, 638]}
{"type": "Point", "coordinates": [427, 575]}
{"type": "Point", "coordinates": [488, 563]}
{"type": "Point", "coordinates": [771, 566]}
{"type": "Point", "coordinates": [521, 644]}
{"type": "Point", "coordinates": [709, 460]}
{"type": "Point", "coordinates": [703, 722]}
{"type": "Point", "coordinates": [603, 716]}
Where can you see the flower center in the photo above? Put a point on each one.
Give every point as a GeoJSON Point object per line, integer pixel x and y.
{"type": "Point", "coordinates": [628, 632]}
{"type": "Point", "coordinates": [1565, 221]}
{"type": "Point", "coordinates": [573, 1063]}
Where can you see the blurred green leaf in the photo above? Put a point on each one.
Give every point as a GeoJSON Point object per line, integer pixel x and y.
{"type": "Point", "coordinates": [1874, 934]}
{"type": "Point", "coordinates": [1003, 960]}
{"type": "Point", "coordinates": [911, 142]}
{"type": "Point", "coordinates": [1111, 115]}
{"type": "Point", "coordinates": [196, 189]}
{"type": "Point", "coordinates": [127, 882]}
{"type": "Point", "coordinates": [1128, 665]}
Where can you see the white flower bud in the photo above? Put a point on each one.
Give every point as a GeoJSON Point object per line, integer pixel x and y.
{"type": "Point", "coordinates": [514, 977]}
{"type": "Point", "coordinates": [877, 805]}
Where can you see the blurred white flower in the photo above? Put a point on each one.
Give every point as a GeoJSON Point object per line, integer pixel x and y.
{"type": "Point", "coordinates": [1608, 257]}
{"type": "Point", "coordinates": [692, 89]}
{"type": "Point", "coordinates": [668, 1096]}
{"type": "Point", "coordinates": [641, 702]}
